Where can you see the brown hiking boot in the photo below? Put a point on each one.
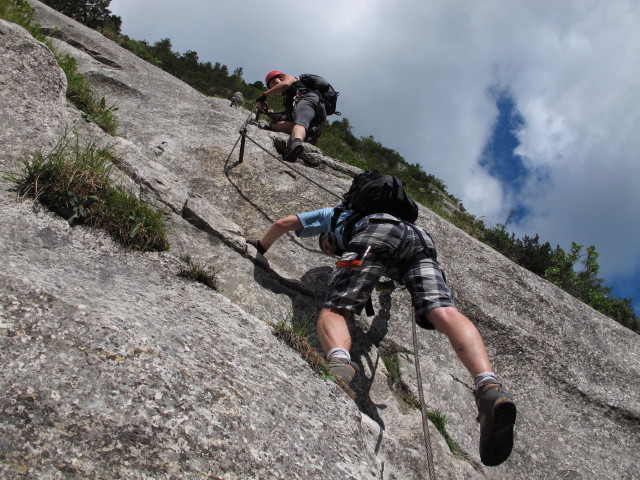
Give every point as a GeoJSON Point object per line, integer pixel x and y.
{"type": "Point", "coordinates": [497, 416]}
{"type": "Point", "coordinates": [343, 369]}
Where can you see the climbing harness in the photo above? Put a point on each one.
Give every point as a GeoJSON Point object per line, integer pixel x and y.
{"type": "Point", "coordinates": [423, 408]}
{"type": "Point", "coordinates": [357, 263]}
{"type": "Point", "coordinates": [296, 100]}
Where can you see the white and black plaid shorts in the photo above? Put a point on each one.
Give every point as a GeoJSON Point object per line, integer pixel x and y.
{"type": "Point", "coordinates": [392, 243]}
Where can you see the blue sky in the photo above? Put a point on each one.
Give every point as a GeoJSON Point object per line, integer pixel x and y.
{"type": "Point", "coordinates": [498, 157]}
{"type": "Point", "coordinates": [527, 106]}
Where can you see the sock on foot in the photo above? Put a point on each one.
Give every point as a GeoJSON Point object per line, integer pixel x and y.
{"type": "Point", "coordinates": [484, 378]}
{"type": "Point", "coordinates": [338, 353]}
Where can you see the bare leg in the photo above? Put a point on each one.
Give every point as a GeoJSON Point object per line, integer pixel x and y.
{"type": "Point", "coordinates": [298, 132]}
{"type": "Point", "coordinates": [332, 329]}
{"type": "Point", "coordinates": [334, 334]}
{"type": "Point", "coordinates": [284, 127]}
{"type": "Point", "coordinates": [464, 338]}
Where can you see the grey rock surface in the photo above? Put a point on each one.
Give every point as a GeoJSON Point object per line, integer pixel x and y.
{"type": "Point", "coordinates": [115, 367]}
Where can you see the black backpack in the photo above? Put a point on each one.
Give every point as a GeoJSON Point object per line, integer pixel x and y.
{"type": "Point", "coordinates": [328, 95]}
{"type": "Point", "coordinates": [374, 192]}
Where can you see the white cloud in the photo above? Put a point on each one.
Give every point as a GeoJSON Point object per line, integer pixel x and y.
{"type": "Point", "coordinates": [580, 101]}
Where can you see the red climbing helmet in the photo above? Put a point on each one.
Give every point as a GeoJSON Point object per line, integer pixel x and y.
{"type": "Point", "coordinates": [270, 75]}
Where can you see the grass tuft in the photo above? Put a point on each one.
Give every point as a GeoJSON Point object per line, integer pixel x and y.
{"type": "Point", "coordinates": [81, 93]}
{"type": "Point", "coordinates": [205, 275]}
{"type": "Point", "coordinates": [73, 180]}
{"type": "Point", "coordinates": [18, 12]}
{"type": "Point", "coordinates": [135, 224]}
{"type": "Point", "coordinates": [301, 345]}
{"type": "Point", "coordinates": [396, 384]}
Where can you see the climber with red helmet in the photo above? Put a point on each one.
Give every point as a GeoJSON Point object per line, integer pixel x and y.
{"type": "Point", "coordinates": [303, 113]}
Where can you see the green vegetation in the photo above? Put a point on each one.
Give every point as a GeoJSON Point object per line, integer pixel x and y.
{"type": "Point", "coordinates": [92, 13]}
{"type": "Point", "coordinates": [585, 284]}
{"type": "Point", "coordinates": [303, 325]}
{"type": "Point", "coordinates": [205, 275]}
{"type": "Point", "coordinates": [395, 381]}
{"type": "Point", "coordinates": [79, 90]}
{"type": "Point", "coordinates": [82, 95]}
{"type": "Point", "coordinates": [73, 180]}
{"type": "Point", "coordinates": [397, 385]}
{"type": "Point", "coordinates": [17, 11]}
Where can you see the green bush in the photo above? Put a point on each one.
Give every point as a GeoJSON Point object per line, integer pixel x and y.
{"type": "Point", "coordinates": [73, 180]}
{"type": "Point", "coordinates": [81, 93]}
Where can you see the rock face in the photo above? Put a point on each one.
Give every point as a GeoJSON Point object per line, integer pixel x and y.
{"type": "Point", "coordinates": [115, 367]}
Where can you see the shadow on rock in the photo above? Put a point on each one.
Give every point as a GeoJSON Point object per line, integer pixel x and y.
{"type": "Point", "coordinates": [307, 296]}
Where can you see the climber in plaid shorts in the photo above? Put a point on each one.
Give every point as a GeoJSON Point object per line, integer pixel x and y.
{"type": "Point", "coordinates": [381, 244]}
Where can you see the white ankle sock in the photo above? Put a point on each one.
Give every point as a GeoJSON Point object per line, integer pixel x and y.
{"type": "Point", "coordinates": [484, 378]}
{"type": "Point", "coordinates": [338, 353]}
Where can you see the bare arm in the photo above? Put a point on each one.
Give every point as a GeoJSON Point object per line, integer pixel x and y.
{"type": "Point", "coordinates": [285, 82]}
{"type": "Point", "coordinates": [286, 224]}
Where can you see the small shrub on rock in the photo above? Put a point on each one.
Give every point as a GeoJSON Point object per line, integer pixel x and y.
{"type": "Point", "coordinates": [73, 180]}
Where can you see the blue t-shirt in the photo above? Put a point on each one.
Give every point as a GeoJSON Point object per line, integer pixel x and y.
{"type": "Point", "coordinates": [318, 221]}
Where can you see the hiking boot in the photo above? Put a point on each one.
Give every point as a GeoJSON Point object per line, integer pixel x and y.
{"type": "Point", "coordinates": [294, 151]}
{"type": "Point", "coordinates": [343, 368]}
{"type": "Point", "coordinates": [497, 415]}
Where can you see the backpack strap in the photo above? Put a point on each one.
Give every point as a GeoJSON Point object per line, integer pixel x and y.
{"type": "Point", "coordinates": [347, 224]}
{"type": "Point", "coordinates": [431, 252]}
{"type": "Point", "coordinates": [426, 252]}
{"type": "Point", "coordinates": [337, 211]}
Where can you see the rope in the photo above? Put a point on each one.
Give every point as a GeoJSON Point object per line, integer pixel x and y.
{"type": "Point", "coordinates": [423, 408]}
{"type": "Point", "coordinates": [243, 134]}
{"type": "Point", "coordinates": [243, 131]}
{"type": "Point", "coordinates": [248, 118]}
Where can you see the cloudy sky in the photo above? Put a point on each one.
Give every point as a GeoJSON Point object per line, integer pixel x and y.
{"type": "Point", "coordinates": [525, 106]}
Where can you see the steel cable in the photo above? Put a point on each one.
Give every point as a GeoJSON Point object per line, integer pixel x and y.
{"type": "Point", "coordinates": [423, 408]}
